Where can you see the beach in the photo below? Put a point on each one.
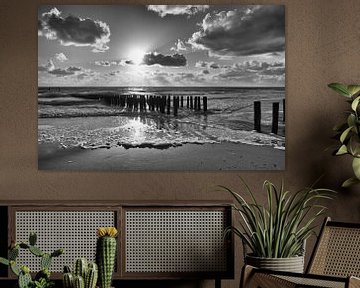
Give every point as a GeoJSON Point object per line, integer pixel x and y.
{"type": "Point", "coordinates": [211, 157]}
{"type": "Point", "coordinates": [141, 128]}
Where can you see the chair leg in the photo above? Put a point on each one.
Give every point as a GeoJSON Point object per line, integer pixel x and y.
{"type": "Point", "coordinates": [354, 282]}
{"type": "Point", "coordinates": [246, 274]}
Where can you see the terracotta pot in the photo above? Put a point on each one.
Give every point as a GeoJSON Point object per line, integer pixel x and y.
{"type": "Point", "coordinates": [291, 264]}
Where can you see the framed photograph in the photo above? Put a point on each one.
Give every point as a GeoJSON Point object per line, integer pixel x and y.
{"type": "Point", "coordinates": [161, 87]}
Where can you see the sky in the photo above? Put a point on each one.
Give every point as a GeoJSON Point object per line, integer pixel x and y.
{"type": "Point", "coordinates": [161, 45]}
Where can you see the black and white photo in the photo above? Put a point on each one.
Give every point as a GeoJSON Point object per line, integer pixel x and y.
{"type": "Point", "coordinates": [161, 87]}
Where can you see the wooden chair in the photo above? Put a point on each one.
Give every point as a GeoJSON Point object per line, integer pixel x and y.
{"type": "Point", "coordinates": [334, 263]}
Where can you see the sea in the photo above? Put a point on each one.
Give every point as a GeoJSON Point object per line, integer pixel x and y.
{"type": "Point", "coordinates": [79, 117]}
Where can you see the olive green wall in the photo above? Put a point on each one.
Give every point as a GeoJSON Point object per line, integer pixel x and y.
{"type": "Point", "coordinates": [322, 46]}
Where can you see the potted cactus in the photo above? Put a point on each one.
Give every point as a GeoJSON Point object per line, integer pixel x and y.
{"type": "Point", "coordinates": [42, 278]}
{"type": "Point", "coordinates": [84, 275]}
{"type": "Point", "coordinates": [106, 254]}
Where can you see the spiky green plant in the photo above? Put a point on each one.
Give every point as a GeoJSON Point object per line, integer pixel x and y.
{"type": "Point", "coordinates": [106, 254]}
{"type": "Point", "coordinates": [349, 131]}
{"type": "Point", "coordinates": [84, 273]}
{"type": "Point", "coordinates": [42, 278]}
{"type": "Point", "coordinates": [279, 229]}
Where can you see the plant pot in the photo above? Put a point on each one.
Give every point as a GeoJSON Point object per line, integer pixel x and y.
{"type": "Point", "coordinates": [291, 264]}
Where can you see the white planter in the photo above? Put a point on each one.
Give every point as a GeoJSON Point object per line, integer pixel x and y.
{"type": "Point", "coordinates": [291, 264]}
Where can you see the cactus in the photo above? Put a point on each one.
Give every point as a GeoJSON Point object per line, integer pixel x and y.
{"type": "Point", "coordinates": [24, 280]}
{"type": "Point", "coordinates": [57, 253]}
{"type": "Point", "coordinates": [80, 267]}
{"type": "Point", "coordinates": [79, 282]}
{"type": "Point", "coordinates": [13, 253]}
{"type": "Point", "coordinates": [36, 251]}
{"type": "Point", "coordinates": [44, 273]}
{"type": "Point", "coordinates": [68, 280]}
{"type": "Point", "coordinates": [24, 246]}
{"type": "Point", "coordinates": [88, 273]}
{"type": "Point", "coordinates": [67, 269]}
{"type": "Point", "coordinates": [32, 238]}
{"type": "Point", "coordinates": [91, 276]}
{"type": "Point", "coordinates": [45, 261]}
{"type": "Point", "coordinates": [105, 255]}
{"type": "Point", "coordinates": [4, 261]}
{"type": "Point", "coordinates": [14, 268]}
{"type": "Point", "coordinates": [42, 278]}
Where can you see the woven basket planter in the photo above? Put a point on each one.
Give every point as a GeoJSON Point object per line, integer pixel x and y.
{"type": "Point", "coordinates": [291, 264]}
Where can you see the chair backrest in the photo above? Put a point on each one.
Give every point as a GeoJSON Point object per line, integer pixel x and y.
{"type": "Point", "coordinates": [337, 251]}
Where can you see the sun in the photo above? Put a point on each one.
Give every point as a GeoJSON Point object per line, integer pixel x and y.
{"type": "Point", "coordinates": [136, 55]}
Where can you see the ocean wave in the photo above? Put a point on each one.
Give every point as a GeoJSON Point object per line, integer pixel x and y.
{"type": "Point", "coordinates": [136, 132]}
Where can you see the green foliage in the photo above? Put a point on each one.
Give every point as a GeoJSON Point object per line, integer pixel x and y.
{"type": "Point", "coordinates": [42, 278]}
{"type": "Point", "coordinates": [85, 275]}
{"type": "Point", "coordinates": [105, 259]}
{"type": "Point", "coordinates": [4, 261]}
{"type": "Point", "coordinates": [45, 261]}
{"type": "Point", "coordinates": [349, 131]}
{"type": "Point", "coordinates": [36, 251]}
{"type": "Point", "coordinates": [24, 280]}
{"type": "Point", "coordinates": [279, 229]}
{"type": "Point", "coordinates": [32, 239]}
{"type": "Point", "coordinates": [42, 283]}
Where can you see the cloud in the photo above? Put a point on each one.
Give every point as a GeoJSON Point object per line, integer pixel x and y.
{"type": "Point", "coordinates": [189, 10]}
{"type": "Point", "coordinates": [51, 69]}
{"type": "Point", "coordinates": [74, 69]}
{"type": "Point", "coordinates": [103, 63]}
{"type": "Point", "coordinates": [108, 63]}
{"type": "Point", "coordinates": [61, 57]}
{"type": "Point", "coordinates": [250, 30]}
{"type": "Point", "coordinates": [254, 71]}
{"type": "Point", "coordinates": [61, 72]}
{"type": "Point", "coordinates": [204, 64]}
{"type": "Point", "coordinates": [164, 60]}
{"type": "Point", "coordinates": [47, 67]}
{"type": "Point", "coordinates": [113, 73]}
{"type": "Point", "coordinates": [74, 31]}
{"type": "Point", "coordinates": [179, 46]}
{"type": "Point", "coordinates": [159, 77]}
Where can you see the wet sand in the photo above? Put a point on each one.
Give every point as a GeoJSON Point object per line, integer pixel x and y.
{"type": "Point", "coordinates": [211, 157]}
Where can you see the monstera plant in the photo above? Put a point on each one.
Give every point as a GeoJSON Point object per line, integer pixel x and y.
{"type": "Point", "coordinates": [349, 131]}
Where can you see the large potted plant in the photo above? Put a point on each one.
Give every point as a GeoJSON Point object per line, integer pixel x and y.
{"type": "Point", "coordinates": [349, 131]}
{"type": "Point", "coordinates": [275, 233]}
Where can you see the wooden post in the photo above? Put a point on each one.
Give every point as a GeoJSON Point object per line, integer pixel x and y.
{"type": "Point", "coordinates": [275, 119]}
{"type": "Point", "coordinates": [191, 102]}
{"type": "Point", "coordinates": [144, 103]}
{"type": "Point", "coordinates": [176, 105]}
{"type": "Point", "coordinates": [187, 101]}
{"type": "Point", "coordinates": [199, 104]}
{"type": "Point", "coordinates": [157, 103]}
{"type": "Point", "coordinates": [257, 116]}
{"type": "Point", "coordinates": [168, 103]}
{"type": "Point", "coordinates": [136, 102]}
{"type": "Point", "coordinates": [205, 103]}
{"type": "Point", "coordinates": [182, 101]}
{"type": "Point", "coordinates": [162, 104]}
{"type": "Point", "coordinates": [195, 103]}
{"type": "Point", "coordinates": [283, 103]}
{"type": "Point", "coordinates": [141, 103]}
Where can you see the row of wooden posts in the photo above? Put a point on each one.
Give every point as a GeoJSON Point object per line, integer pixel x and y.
{"type": "Point", "coordinates": [162, 104]}
{"type": "Point", "coordinates": [275, 116]}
